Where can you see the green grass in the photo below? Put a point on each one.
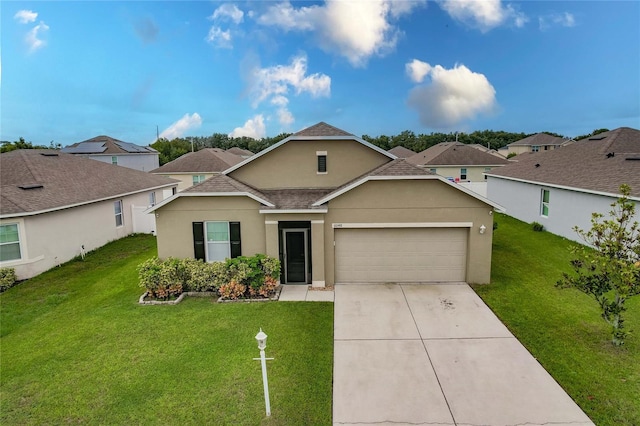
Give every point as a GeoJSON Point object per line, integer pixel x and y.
{"type": "Point", "coordinates": [563, 328]}
{"type": "Point", "coordinates": [77, 348]}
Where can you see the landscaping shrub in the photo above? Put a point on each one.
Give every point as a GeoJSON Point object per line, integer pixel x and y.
{"type": "Point", "coordinates": [537, 227]}
{"type": "Point", "coordinates": [7, 278]}
{"type": "Point", "coordinates": [236, 278]}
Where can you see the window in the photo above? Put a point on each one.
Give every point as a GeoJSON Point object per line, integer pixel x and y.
{"type": "Point", "coordinates": [535, 148]}
{"type": "Point", "coordinates": [174, 190]}
{"type": "Point", "coordinates": [114, 160]}
{"type": "Point", "coordinates": [152, 198]}
{"type": "Point", "coordinates": [9, 242]}
{"type": "Point", "coordinates": [433, 170]}
{"type": "Point", "coordinates": [117, 208]}
{"type": "Point", "coordinates": [322, 161]}
{"type": "Point", "coordinates": [546, 147]}
{"type": "Point", "coordinates": [463, 174]}
{"type": "Point", "coordinates": [544, 207]}
{"type": "Point", "coordinates": [198, 178]}
{"type": "Point", "coordinates": [486, 170]}
{"type": "Point", "coordinates": [222, 240]}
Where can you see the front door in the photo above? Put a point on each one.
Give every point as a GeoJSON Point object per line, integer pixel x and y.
{"type": "Point", "coordinates": [295, 255]}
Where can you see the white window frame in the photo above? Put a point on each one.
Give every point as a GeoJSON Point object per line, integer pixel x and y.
{"type": "Point", "coordinates": [434, 171]}
{"type": "Point", "coordinates": [152, 198]}
{"type": "Point", "coordinates": [118, 214]}
{"type": "Point", "coordinates": [463, 175]}
{"type": "Point", "coordinates": [114, 160]}
{"type": "Point", "coordinates": [324, 154]}
{"type": "Point", "coordinates": [486, 170]}
{"type": "Point", "coordinates": [535, 148]}
{"type": "Point", "coordinates": [545, 204]}
{"type": "Point", "coordinates": [208, 255]}
{"type": "Point", "coordinates": [196, 179]}
{"type": "Point", "coordinates": [17, 225]}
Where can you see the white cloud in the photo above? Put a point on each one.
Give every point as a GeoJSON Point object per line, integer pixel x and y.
{"type": "Point", "coordinates": [275, 83]}
{"type": "Point", "coordinates": [253, 128]}
{"type": "Point", "coordinates": [353, 29]}
{"type": "Point", "coordinates": [565, 19]}
{"type": "Point", "coordinates": [219, 38]}
{"type": "Point", "coordinates": [32, 37]}
{"type": "Point", "coordinates": [452, 96]}
{"type": "Point", "coordinates": [25, 16]}
{"type": "Point", "coordinates": [417, 70]}
{"type": "Point", "coordinates": [228, 11]}
{"type": "Point", "coordinates": [483, 14]}
{"type": "Point", "coordinates": [180, 127]}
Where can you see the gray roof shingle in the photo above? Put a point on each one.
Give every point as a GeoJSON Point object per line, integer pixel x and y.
{"type": "Point", "coordinates": [401, 152]}
{"type": "Point", "coordinates": [600, 164]}
{"type": "Point", "coordinates": [539, 139]}
{"type": "Point", "coordinates": [66, 180]}
{"type": "Point", "coordinates": [455, 154]}
{"type": "Point", "coordinates": [322, 129]}
{"type": "Point", "coordinates": [208, 160]}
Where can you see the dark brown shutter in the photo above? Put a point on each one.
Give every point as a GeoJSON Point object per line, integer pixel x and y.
{"type": "Point", "coordinates": [198, 240]}
{"type": "Point", "coordinates": [322, 163]}
{"type": "Point", "coordinates": [234, 238]}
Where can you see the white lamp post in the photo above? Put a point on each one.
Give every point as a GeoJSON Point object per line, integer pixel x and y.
{"type": "Point", "coordinates": [261, 337]}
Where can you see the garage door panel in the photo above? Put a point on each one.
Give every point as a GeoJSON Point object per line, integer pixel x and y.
{"type": "Point", "coordinates": [401, 254]}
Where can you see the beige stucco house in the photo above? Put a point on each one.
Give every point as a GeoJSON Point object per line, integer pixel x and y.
{"type": "Point", "coordinates": [537, 143]}
{"type": "Point", "coordinates": [335, 209]}
{"type": "Point", "coordinates": [54, 206]}
{"type": "Point", "coordinates": [195, 167]}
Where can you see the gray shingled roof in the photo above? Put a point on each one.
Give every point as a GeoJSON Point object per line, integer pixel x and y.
{"type": "Point", "coordinates": [58, 180]}
{"type": "Point", "coordinates": [455, 154]}
{"type": "Point", "coordinates": [539, 139]}
{"type": "Point", "coordinates": [239, 151]}
{"type": "Point", "coordinates": [401, 152]}
{"type": "Point", "coordinates": [106, 145]}
{"type": "Point", "coordinates": [586, 164]}
{"type": "Point", "coordinates": [208, 160]}
{"type": "Point", "coordinates": [322, 129]}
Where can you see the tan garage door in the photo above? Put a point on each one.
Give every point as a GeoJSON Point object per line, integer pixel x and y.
{"type": "Point", "coordinates": [401, 254]}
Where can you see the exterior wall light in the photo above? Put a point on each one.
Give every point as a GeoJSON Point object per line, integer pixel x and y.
{"type": "Point", "coordinates": [482, 229]}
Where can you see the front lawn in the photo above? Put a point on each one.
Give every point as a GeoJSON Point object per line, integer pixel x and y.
{"type": "Point", "coordinates": [563, 328]}
{"type": "Point", "coordinates": [77, 348]}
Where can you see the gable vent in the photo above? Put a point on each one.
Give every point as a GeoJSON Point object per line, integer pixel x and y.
{"type": "Point", "coordinates": [31, 186]}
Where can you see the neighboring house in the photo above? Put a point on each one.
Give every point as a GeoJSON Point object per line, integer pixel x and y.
{"type": "Point", "coordinates": [244, 153]}
{"type": "Point", "coordinates": [195, 167]}
{"type": "Point", "coordinates": [113, 151]}
{"type": "Point", "coordinates": [458, 162]}
{"type": "Point", "coordinates": [401, 152]}
{"type": "Point", "coordinates": [55, 205]}
{"type": "Point", "coordinates": [333, 208]}
{"type": "Point", "coordinates": [537, 143]}
{"type": "Point", "coordinates": [561, 189]}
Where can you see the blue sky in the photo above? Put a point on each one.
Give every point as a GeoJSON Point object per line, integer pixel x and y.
{"type": "Point", "coordinates": [75, 70]}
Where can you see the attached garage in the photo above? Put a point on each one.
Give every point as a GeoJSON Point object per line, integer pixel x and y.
{"type": "Point", "coordinates": [426, 254]}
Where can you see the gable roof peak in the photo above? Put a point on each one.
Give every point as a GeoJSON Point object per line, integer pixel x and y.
{"type": "Point", "coordinates": [322, 129]}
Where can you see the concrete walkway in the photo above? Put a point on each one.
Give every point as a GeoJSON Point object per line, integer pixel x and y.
{"type": "Point", "coordinates": [301, 293]}
{"type": "Point", "coordinates": [435, 354]}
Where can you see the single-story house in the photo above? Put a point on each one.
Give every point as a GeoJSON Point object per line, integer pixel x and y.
{"type": "Point", "coordinates": [195, 167]}
{"type": "Point", "coordinates": [54, 206]}
{"type": "Point", "coordinates": [113, 151]}
{"type": "Point", "coordinates": [334, 209]}
{"type": "Point", "coordinates": [458, 162]}
{"type": "Point", "coordinates": [401, 152]}
{"type": "Point", "coordinates": [536, 143]}
{"type": "Point", "coordinates": [561, 189]}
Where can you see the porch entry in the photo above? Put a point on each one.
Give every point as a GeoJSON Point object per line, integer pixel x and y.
{"type": "Point", "coordinates": [295, 252]}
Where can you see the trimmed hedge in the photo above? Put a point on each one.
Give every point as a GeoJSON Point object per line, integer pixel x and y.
{"type": "Point", "coordinates": [241, 277]}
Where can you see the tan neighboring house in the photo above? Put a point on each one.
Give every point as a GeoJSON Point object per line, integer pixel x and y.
{"type": "Point", "coordinates": [195, 167]}
{"type": "Point", "coordinates": [537, 143]}
{"type": "Point", "coordinates": [335, 209]}
{"type": "Point", "coordinates": [458, 162]}
{"type": "Point", "coordinates": [401, 152]}
{"type": "Point", "coordinates": [561, 189]}
{"type": "Point", "coordinates": [113, 151]}
{"type": "Point", "coordinates": [54, 206]}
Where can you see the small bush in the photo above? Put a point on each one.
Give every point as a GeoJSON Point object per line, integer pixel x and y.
{"type": "Point", "coordinates": [537, 227]}
{"type": "Point", "coordinates": [495, 225]}
{"type": "Point", "coordinates": [232, 290]}
{"type": "Point", "coordinates": [7, 278]}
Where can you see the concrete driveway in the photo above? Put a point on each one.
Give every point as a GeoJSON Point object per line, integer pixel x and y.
{"type": "Point", "coordinates": [435, 354]}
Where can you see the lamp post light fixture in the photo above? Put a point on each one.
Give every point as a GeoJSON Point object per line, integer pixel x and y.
{"type": "Point", "coordinates": [482, 229]}
{"type": "Point", "coordinates": [261, 337]}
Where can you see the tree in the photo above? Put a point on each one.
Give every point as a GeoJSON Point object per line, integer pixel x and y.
{"type": "Point", "coordinates": [609, 270]}
{"type": "Point", "coordinates": [22, 144]}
